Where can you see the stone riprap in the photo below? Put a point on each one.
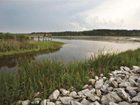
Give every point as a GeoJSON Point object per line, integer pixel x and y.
{"type": "Point", "coordinates": [121, 88]}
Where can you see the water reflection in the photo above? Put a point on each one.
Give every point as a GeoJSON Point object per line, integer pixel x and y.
{"type": "Point", "coordinates": [74, 49]}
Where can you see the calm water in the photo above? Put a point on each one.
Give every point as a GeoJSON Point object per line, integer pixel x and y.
{"type": "Point", "coordinates": [73, 50]}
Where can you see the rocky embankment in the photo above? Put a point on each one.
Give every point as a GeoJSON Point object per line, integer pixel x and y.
{"type": "Point", "coordinates": [121, 88]}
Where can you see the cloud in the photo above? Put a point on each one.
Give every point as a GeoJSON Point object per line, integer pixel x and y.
{"type": "Point", "coordinates": [64, 15]}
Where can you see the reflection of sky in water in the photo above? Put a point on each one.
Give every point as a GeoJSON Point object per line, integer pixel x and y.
{"type": "Point", "coordinates": [82, 49]}
{"type": "Point", "coordinates": [74, 50]}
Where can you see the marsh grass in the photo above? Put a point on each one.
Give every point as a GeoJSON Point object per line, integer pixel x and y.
{"type": "Point", "coordinates": [12, 47]}
{"type": "Point", "coordinates": [44, 77]}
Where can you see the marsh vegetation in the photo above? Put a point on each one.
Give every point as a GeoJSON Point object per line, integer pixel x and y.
{"type": "Point", "coordinates": [45, 76]}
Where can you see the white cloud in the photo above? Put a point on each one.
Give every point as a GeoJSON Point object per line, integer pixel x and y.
{"type": "Point", "coordinates": [113, 14]}
{"type": "Point", "coordinates": [61, 15]}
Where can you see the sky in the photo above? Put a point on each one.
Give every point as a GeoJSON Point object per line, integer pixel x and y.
{"type": "Point", "coordinates": [68, 15]}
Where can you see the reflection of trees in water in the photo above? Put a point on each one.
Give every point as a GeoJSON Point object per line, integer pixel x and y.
{"type": "Point", "coordinates": [12, 61]}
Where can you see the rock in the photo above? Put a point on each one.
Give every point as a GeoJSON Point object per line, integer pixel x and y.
{"type": "Point", "coordinates": [73, 94]}
{"type": "Point", "coordinates": [85, 86]}
{"type": "Point", "coordinates": [75, 103]}
{"type": "Point", "coordinates": [50, 103]}
{"type": "Point", "coordinates": [136, 98]}
{"type": "Point", "coordinates": [66, 100]}
{"type": "Point", "coordinates": [124, 84]}
{"type": "Point", "coordinates": [99, 83]}
{"type": "Point", "coordinates": [114, 84]}
{"type": "Point", "coordinates": [44, 102]}
{"type": "Point", "coordinates": [101, 75]}
{"type": "Point", "coordinates": [110, 88]}
{"type": "Point", "coordinates": [104, 100]}
{"type": "Point", "coordinates": [105, 88]}
{"type": "Point", "coordinates": [54, 95]}
{"type": "Point", "coordinates": [58, 103]}
{"type": "Point", "coordinates": [96, 78]}
{"type": "Point", "coordinates": [92, 91]}
{"type": "Point", "coordinates": [112, 103]}
{"type": "Point", "coordinates": [98, 92]}
{"type": "Point", "coordinates": [136, 67]}
{"type": "Point", "coordinates": [124, 103]}
{"type": "Point", "coordinates": [95, 103]}
{"type": "Point", "coordinates": [132, 93]}
{"type": "Point", "coordinates": [26, 102]}
{"type": "Point", "coordinates": [135, 104]}
{"type": "Point", "coordinates": [93, 98]}
{"type": "Point", "coordinates": [121, 92]}
{"type": "Point", "coordinates": [36, 101]}
{"type": "Point", "coordinates": [85, 102]}
{"type": "Point", "coordinates": [84, 93]}
{"type": "Point", "coordinates": [92, 81]}
{"type": "Point", "coordinates": [110, 97]}
{"type": "Point", "coordinates": [64, 92]}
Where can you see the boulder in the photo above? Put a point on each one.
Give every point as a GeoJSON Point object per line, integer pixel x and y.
{"type": "Point", "coordinates": [54, 95]}
{"type": "Point", "coordinates": [99, 83]}
{"type": "Point", "coordinates": [66, 100]}
{"type": "Point", "coordinates": [64, 92]}
{"type": "Point", "coordinates": [26, 102]}
{"type": "Point", "coordinates": [136, 98]}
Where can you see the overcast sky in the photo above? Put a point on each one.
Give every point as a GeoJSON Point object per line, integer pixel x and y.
{"type": "Point", "coordinates": [68, 15]}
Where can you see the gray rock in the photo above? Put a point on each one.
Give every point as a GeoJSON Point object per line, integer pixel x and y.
{"type": "Point", "coordinates": [136, 67]}
{"type": "Point", "coordinates": [121, 92]}
{"type": "Point", "coordinates": [58, 103]}
{"type": "Point", "coordinates": [36, 101]}
{"type": "Point", "coordinates": [124, 84]}
{"type": "Point", "coordinates": [95, 103]}
{"type": "Point", "coordinates": [75, 103]}
{"type": "Point", "coordinates": [93, 97]}
{"type": "Point", "coordinates": [92, 91]}
{"type": "Point", "coordinates": [134, 103]}
{"type": "Point", "coordinates": [112, 103]}
{"type": "Point", "coordinates": [44, 102]}
{"type": "Point", "coordinates": [98, 92]}
{"type": "Point", "coordinates": [136, 98]}
{"type": "Point", "coordinates": [85, 102]}
{"type": "Point", "coordinates": [66, 100]}
{"type": "Point", "coordinates": [110, 88]}
{"type": "Point", "coordinates": [110, 97]}
{"type": "Point", "coordinates": [101, 75]}
{"type": "Point", "coordinates": [26, 102]}
{"type": "Point", "coordinates": [99, 83]}
{"type": "Point", "coordinates": [73, 94]}
{"type": "Point", "coordinates": [85, 86]}
{"type": "Point", "coordinates": [84, 93]}
{"type": "Point", "coordinates": [50, 103]}
{"type": "Point", "coordinates": [64, 92]}
{"type": "Point", "coordinates": [124, 103]}
{"type": "Point", "coordinates": [132, 93]}
{"type": "Point", "coordinates": [96, 78]}
{"type": "Point", "coordinates": [114, 84]}
{"type": "Point", "coordinates": [54, 95]}
{"type": "Point", "coordinates": [92, 81]}
{"type": "Point", "coordinates": [105, 88]}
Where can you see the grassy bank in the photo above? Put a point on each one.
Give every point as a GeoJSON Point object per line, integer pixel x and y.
{"type": "Point", "coordinates": [12, 47]}
{"type": "Point", "coordinates": [44, 77]}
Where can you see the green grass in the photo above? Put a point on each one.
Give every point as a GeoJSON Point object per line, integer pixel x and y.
{"type": "Point", "coordinates": [46, 76]}
{"type": "Point", "coordinates": [12, 47]}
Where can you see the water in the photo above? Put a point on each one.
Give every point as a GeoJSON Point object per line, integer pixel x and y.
{"type": "Point", "coordinates": [76, 49]}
